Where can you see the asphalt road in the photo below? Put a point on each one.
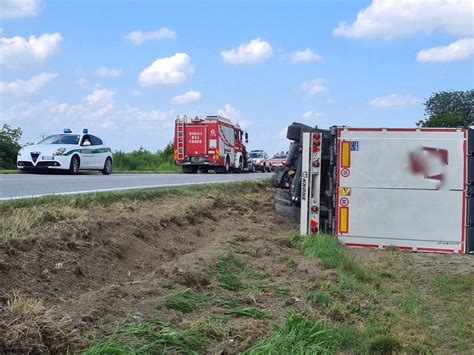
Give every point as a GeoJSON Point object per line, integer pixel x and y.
{"type": "Point", "coordinates": [29, 185]}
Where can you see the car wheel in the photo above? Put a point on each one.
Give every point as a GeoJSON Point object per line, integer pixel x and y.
{"type": "Point", "coordinates": [107, 167]}
{"type": "Point", "coordinates": [74, 165]}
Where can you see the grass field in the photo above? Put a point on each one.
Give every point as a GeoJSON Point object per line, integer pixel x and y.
{"type": "Point", "coordinates": [212, 269]}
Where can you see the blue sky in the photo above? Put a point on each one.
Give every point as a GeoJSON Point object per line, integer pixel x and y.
{"type": "Point", "coordinates": [262, 63]}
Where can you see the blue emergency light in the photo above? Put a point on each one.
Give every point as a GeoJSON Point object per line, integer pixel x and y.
{"type": "Point", "coordinates": [67, 130]}
{"type": "Point", "coordinates": [85, 130]}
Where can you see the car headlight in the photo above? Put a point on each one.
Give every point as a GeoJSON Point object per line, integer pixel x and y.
{"type": "Point", "coordinates": [20, 152]}
{"type": "Point", "coordinates": [59, 151]}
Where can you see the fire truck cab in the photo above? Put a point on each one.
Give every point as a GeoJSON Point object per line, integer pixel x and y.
{"type": "Point", "coordinates": [212, 143]}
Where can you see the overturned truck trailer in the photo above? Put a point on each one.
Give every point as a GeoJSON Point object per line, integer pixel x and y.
{"type": "Point", "coordinates": [380, 187]}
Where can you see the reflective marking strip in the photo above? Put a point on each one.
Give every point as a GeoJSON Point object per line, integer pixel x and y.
{"type": "Point", "coordinates": [345, 154]}
{"type": "Point", "coordinates": [343, 219]}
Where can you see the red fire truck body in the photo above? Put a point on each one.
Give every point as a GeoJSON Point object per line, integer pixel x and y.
{"type": "Point", "coordinates": [212, 143]}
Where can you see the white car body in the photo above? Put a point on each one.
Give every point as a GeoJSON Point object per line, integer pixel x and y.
{"type": "Point", "coordinates": [260, 160]}
{"type": "Point", "coordinates": [58, 156]}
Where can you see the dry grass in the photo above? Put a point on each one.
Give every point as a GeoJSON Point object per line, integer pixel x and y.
{"type": "Point", "coordinates": [27, 326]}
{"type": "Point", "coordinates": [17, 223]}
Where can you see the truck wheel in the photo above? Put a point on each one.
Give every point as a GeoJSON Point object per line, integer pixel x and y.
{"type": "Point", "coordinates": [107, 170]}
{"type": "Point", "coordinates": [74, 165]}
{"type": "Point", "coordinates": [287, 210]}
{"type": "Point", "coordinates": [240, 167]}
{"type": "Point", "coordinates": [227, 165]}
{"type": "Point", "coordinates": [204, 170]}
{"type": "Point", "coordinates": [264, 168]}
{"type": "Point", "coordinates": [190, 169]}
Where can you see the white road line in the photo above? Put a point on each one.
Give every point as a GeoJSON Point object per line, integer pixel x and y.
{"type": "Point", "coordinates": [120, 189]}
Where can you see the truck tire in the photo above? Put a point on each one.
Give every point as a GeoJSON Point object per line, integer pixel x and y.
{"type": "Point", "coordinates": [288, 211]}
{"type": "Point", "coordinates": [227, 165]}
{"type": "Point", "coordinates": [189, 169]}
{"type": "Point", "coordinates": [239, 169]}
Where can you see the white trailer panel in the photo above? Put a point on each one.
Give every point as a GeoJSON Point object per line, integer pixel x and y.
{"type": "Point", "coordinates": [403, 187]}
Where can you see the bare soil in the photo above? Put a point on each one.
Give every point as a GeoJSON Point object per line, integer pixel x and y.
{"type": "Point", "coordinates": [127, 257]}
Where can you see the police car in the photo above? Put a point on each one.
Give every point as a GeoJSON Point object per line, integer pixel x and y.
{"type": "Point", "coordinates": [68, 151]}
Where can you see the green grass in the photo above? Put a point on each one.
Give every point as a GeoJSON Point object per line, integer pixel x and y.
{"type": "Point", "coordinates": [319, 298]}
{"type": "Point", "coordinates": [152, 337]}
{"type": "Point", "coordinates": [144, 160]}
{"type": "Point", "coordinates": [328, 249]}
{"type": "Point", "coordinates": [185, 301]}
{"type": "Point", "coordinates": [105, 198]}
{"type": "Point", "coordinates": [229, 272]}
{"type": "Point", "coordinates": [452, 286]}
{"type": "Point", "coordinates": [251, 312]}
{"type": "Point", "coordinates": [298, 335]}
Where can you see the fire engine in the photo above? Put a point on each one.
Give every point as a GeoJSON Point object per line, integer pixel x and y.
{"type": "Point", "coordinates": [212, 143]}
{"type": "Point", "coordinates": [409, 188]}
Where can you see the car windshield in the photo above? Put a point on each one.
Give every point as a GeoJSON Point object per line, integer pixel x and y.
{"type": "Point", "coordinates": [279, 157]}
{"type": "Point", "coordinates": [61, 139]}
{"type": "Point", "coordinates": [256, 155]}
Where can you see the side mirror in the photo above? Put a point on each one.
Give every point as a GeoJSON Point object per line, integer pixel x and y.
{"type": "Point", "coordinates": [246, 137]}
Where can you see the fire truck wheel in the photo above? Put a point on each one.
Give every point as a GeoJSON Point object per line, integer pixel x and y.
{"type": "Point", "coordinates": [227, 165]}
{"type": "Point", "coordinates": [204, 170]}
{"type": "Point", "coordinates": [240, 167]}
{"type": "Point", "coordinates": [190, 169]}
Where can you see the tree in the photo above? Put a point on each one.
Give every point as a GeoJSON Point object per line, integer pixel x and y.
{"type": "Point", "coordinates": [449, 109]}
{"type": "Point", "coordinates": [9, 146]}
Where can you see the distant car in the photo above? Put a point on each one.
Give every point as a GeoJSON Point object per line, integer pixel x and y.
{"type": "Point", "coordinates": [67, 151]}
{"type": "Point", "coordinates": [278, 160]}
{"type": "Point", "coordinates": [260, 160]}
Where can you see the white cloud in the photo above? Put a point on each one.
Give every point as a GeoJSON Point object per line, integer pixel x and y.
{"type": "Point", "coordinates": [458, 50]}
{"type": "Point", "coordinates": [21, 88]}
{"type": "Point", "coordinates": [17, 52]}
{"type": "Point", "coordinates": [167, 71]}
{"type": "Point", "coordinates": [104, 71]}
{"type": "Point", "coordinates": [389, 19]}
{"type": "Point", "coordinates": [304, 56]}
{"type": "Point", "coordinates": [254, 52]}
{"type": "Point", "coordinates": [99, 96]}
{"type": "Point", "coordinates": [136, 93]}
{"type": "Point", "coordinates": [188, 97]}
{"type": "Point", "coordinates": [234, 115]}
{"type": "Point", "coordinates": [394, 100]}
{"type": "Point", "coordinates": [139, 37]}
{"type": "Point", "coordinates": [314, 87]}
{"type": "Point", "coordinates": [97, 111]}
{"type": "Point", "coordinates": [19, 8]}
{"type": "Point", "coordinates": [311, 115]}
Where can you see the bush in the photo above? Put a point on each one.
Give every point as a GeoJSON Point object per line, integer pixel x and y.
{"type": "Point", "coordinates": [144, 160]}
{"type": "Point", "coordinates": [9, 146]}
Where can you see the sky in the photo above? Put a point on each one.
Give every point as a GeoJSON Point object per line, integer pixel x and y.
{"type": "Point", "coordinates": [125, 69]}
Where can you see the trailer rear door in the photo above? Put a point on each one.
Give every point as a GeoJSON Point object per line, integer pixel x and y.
{"type": "Point", "coordinates": [402, 187]}
{"type": "Point", "coordinates": [196, 140]}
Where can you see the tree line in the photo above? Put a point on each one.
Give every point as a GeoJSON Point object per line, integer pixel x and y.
{"type": "Point", "coordinates": [442, 109]}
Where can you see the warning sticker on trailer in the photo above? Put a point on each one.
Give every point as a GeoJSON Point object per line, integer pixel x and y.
{"type": "Point", "coordinates": [345, 191]}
